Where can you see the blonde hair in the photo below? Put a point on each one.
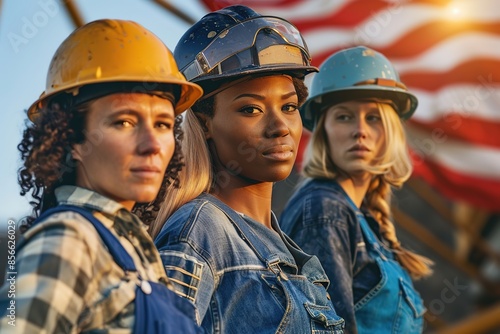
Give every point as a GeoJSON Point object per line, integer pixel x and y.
{"type": "Point", "coordinates": [392, 169]}
{"type": "Point", "coordinates": [195, 150]}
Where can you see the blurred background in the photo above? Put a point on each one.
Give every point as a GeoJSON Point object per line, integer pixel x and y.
{"type": "Point", "coordinates": [446, 51]}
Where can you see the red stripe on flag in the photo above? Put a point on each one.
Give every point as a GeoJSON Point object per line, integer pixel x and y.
{"type": "Point", "coordinates": [481, 192]}
{"type": "Point", "coordinates": [422, 38]}
{"type": "Point", "coordinates": [350, 14]}
{"type": "Point", "coordinates": [470, 129]}
{"type": "Point", "coordinates": [474, 71]}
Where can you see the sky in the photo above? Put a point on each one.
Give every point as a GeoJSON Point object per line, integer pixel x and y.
{"type": "Point", "coordinates": [30, 32]}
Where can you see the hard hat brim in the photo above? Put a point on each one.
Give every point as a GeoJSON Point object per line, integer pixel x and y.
{"type": "Point", "coordinates": [190, 92]}
{"type": "Point", "coordinates": [210, 83]}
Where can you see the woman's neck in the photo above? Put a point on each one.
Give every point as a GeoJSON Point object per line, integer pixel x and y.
{"type": "Point", "coordinates": [356, 188]}
{"type": "Point", "coordinates": [253, 201]}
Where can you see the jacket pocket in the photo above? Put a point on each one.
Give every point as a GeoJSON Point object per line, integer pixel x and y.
{"type": "Point", "coordinates": [412, 298]}
{"type": "Point", "coordinates": [409, 318]}
{"type": "Point", "coordinates": [324, 319]}
{"type": "Point", "coordinates": [374, 279]}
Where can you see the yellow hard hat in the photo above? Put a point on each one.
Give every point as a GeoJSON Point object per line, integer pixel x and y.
{"type": "Point", "coordinates": [114, 51]}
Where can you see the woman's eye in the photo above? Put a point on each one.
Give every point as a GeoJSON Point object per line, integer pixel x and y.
{"type": "Point", "coordinates": [373, 118]}
{"type": "Point", "coordinates": [123, 123]}
{"type": "Point", "coordinates": [166, 125]}
{"type": "Point", "coordinates": [343, 117]}
{"type": "Point", "coordinates": [250, 110]}
{"type": "Point", "coordinates": [290, 108]}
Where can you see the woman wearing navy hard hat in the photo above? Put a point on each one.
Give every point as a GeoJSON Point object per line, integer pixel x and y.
{"type": "Point", "coordinates": [219, 239]}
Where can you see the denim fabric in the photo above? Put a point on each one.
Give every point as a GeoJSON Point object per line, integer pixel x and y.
{"type": "Point", "coordinates": [242, 276]}
{"type": "Point", "coordinates": [370, 290]}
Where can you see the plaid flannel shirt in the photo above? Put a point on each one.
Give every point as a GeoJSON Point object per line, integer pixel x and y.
{"type": "Point", "coordinates": [67, 281]}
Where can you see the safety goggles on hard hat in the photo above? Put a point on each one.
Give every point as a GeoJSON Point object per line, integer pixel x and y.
{"type": "Point", "coordinates": [239, 39]}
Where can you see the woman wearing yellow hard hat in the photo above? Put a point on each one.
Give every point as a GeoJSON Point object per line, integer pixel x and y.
{"type": "Point", "coordinates": [103, 144]}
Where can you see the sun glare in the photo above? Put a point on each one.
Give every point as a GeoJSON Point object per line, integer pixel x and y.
{"type": "Point", "coordinates": [456, 10]}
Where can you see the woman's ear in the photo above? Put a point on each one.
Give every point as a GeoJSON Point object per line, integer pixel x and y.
{"type": "Point", "coordinates": [77, 152]}
{"type": "Point", "coordinates": [205, 123]}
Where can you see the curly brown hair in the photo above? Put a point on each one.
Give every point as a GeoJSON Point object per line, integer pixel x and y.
{"type": "Point", "coordinates": [47, 163]}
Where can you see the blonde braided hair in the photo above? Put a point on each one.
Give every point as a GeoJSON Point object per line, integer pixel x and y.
{"type": "Point", "coordinates": [377, 200]}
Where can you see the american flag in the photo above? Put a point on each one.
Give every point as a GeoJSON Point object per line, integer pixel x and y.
{"type": "Point", "coordinates": [448, 54]}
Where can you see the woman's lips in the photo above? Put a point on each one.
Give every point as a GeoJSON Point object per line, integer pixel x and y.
{"type": "Point", "coordinates": [279, 153]}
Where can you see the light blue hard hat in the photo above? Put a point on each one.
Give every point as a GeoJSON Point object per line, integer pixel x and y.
{"type": "Point", "coordinates": [353, 74]}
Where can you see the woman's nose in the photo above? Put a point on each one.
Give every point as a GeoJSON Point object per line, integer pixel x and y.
{"type": "Point", "coordinates": [360, 129]}
{"type": "Point", "coordinates": [277, 126]}
{"type": "Point", "coordinates": [149, 142]}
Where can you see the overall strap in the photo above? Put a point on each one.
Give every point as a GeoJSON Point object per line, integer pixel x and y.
{"type": "Point", "coordinates": [259, 247]}
{"type": "Point", "coordinates": [365, 228]}
{"type": "Point", "coordinates": [115, 248]}
{"type": "Point", "coordinates": [372, 242]}
{"type": "Point", "coordinates": [367, 231]}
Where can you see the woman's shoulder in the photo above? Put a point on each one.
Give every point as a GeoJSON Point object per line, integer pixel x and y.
{"type": "Point", "coordinates": [62, 220]}
{"type": "Point", "coordinates": [320, 193]}
{"type": "Point", "coordinates": [317, 202]}
{"type": "Point", "coordinates": [198, 209]}
{"type": "Point", "coordinates": [197, 216]}
{"type": "Point", "coordinates": [64, 228]}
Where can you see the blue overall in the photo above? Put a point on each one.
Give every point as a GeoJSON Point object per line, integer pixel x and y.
{"type": "Point", "coordinates": [392, 306]}
{"type": "Point", "coordinates": [299, 292]}
{"type": "Point", "coordinates": [369, 288]}
{"type": "Point", "coordinates": [157, 308]}
{"type": "Point", "coordinates": [243, 276]}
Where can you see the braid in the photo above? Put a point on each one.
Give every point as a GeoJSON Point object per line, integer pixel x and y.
{"type": "Point", "coordinates": [378, 201]}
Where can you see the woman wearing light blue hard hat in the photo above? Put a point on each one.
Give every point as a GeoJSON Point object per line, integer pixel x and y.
{"type": "Point", "coordinates": [341, 212]}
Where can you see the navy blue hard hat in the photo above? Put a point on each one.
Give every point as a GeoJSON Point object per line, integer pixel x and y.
{"type": "Point", "coordinates": [236, 41]}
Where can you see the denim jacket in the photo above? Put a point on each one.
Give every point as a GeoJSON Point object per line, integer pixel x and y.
{"type": "Point", "coordinates": [242, 276]}
{"type": "Point", "coordinates": [365, 278]}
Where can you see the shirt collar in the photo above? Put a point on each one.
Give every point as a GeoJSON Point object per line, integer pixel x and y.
{"type": "Point", "coordinates": [73, 195]}
{"type": "Point", "coordinates": [113, 215]}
